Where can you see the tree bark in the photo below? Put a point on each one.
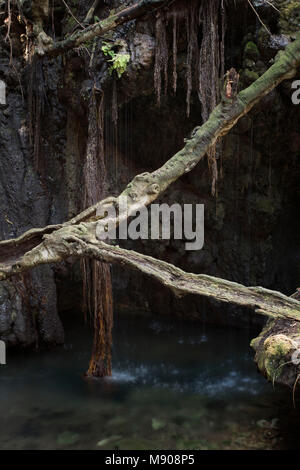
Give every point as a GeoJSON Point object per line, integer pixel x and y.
{"type": "Point", "coordinates": [90, 14]}
{"type": "Point", "coordinates": [147, 187]}
{"type": "Point", "coordinates": [80, 241]}
{"type": "Point", "coordinates": [112, 21]}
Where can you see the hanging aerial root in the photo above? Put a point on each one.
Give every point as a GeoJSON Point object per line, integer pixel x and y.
{"type": "Point", "coordinates": [211, 56]}
{"type": "Point", "coordinates": [100, 363]}
{"type": "Point", "coordinates": [213, 168]}
{"type": "Point", "coordinates": [192, 50]}
{"type": "Point", "coordinates": [174, 52]}
{"type": "Point", "coordinates": [97, 287]}
{"type": "Point", "coordinates": [161, 56]}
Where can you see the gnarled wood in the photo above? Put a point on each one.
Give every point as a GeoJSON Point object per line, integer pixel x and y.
{"type": "Point", "coordinates": [111, 22]}
{"type": "Point", "coordinates": [77, 237]}
{"type": "Point", "coordinates": [147, 187]}
{"type": "Point", "coordinates": [80, 241]}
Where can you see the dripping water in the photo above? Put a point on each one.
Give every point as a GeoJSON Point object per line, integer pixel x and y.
{"type": "Point", "coordinates": [192, 49]}
{"type": "Point", "coordinates": [161, 56]}
{"type": "Point", "coordinates": [36, 105]}
{"type": "Point", "coordinates": [174, 52]}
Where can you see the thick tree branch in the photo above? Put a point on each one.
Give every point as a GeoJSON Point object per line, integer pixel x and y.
{"type": "Point", "coordinates": [111, 22]}
{"type": "Point", "coordinates": [147, 187]}
{"type": "Point", "coordinates": [55, 243]}
{"type": "Point", "coordinates": [80, 241]}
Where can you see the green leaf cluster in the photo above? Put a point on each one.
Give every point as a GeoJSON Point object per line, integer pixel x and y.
{"type": "Point", "coordinates": [119, 61]}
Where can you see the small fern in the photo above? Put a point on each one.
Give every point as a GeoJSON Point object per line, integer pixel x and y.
{"type": "Point", "coordinates": [119, 61]}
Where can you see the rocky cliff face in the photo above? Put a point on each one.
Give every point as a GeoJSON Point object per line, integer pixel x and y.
{"type": "Point", "coordinates": [250, 224]}
{"type": "Point", "coordinates": [28, 312]}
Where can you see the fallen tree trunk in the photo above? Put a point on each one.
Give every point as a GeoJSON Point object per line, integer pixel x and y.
{"type": "Point", "coordinates": [276, 346]}
{"type": "Point", "coordinates": [80, 241]}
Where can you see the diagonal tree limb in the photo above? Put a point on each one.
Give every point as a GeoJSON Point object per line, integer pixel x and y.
{"type": "Point", "coordinates": [77, 237]}
{"type": "Point", "coordinates": [80, 241]}
{"type": "Point", "coordinates": [147, 187]}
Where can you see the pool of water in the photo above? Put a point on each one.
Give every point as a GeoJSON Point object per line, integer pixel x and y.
{"type": "Point", "coordinates": [175, 385]}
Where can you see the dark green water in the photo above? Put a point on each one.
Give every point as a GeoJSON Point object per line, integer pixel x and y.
{"type": "Point", "coordinates": [176, 385]}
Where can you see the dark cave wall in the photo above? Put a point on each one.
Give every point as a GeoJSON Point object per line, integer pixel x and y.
{"type": "Point", "coordinates": [251, 226]}
{"type": "Point", "coordinates": [28, 311]}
